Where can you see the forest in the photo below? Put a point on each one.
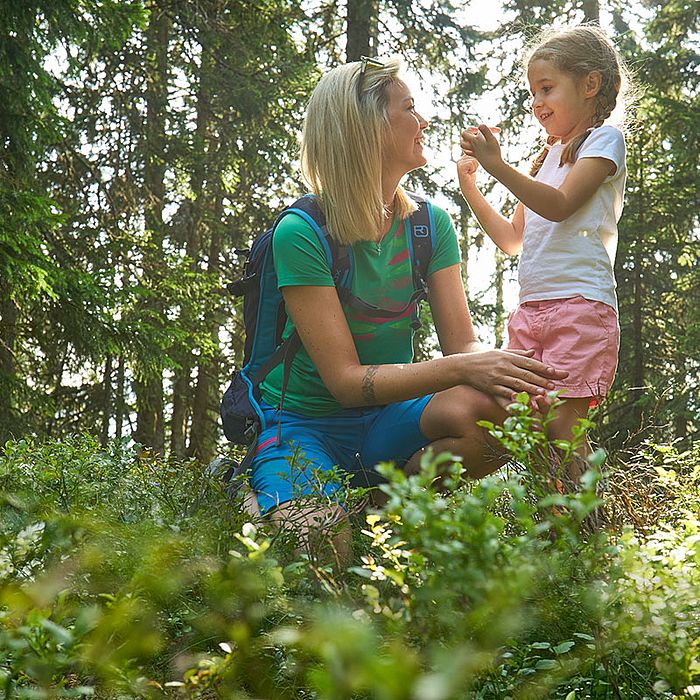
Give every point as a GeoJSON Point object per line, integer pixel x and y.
{"type": "Point", "coordinates": [145, 144]}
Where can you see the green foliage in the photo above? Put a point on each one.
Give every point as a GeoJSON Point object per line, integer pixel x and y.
{"type": "Point", "coordinates": [122, 575]}
{"type": "Point", "coordinates": [659, 244]}
{"type": "Point", "coordinates": [144, 143]}
{"type": "Point", "coordinates": [656, 590]}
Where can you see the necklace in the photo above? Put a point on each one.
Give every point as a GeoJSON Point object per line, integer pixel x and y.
{"type": "Point", "coordinates": [388, 214]}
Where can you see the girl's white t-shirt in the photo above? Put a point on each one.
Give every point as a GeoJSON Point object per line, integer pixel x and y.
{"type": "Point", "coordinates": [562, 259]}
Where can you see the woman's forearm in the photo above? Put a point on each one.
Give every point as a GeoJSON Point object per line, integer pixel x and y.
{"type": "Point", "coordinates": [373, 385]}
{"type": "Point", "coordinates": [499, 373]}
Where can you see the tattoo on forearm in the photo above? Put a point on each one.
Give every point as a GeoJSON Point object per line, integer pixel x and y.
{"type": "Point", "coordinates": [368, 385]}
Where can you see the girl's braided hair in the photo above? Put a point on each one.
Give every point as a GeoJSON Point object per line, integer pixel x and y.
{"type": "Point", "coordinates": [579, 51]}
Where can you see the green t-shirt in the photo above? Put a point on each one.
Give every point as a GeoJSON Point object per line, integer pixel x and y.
{"type": "Point", "coordinates": [382, 276]}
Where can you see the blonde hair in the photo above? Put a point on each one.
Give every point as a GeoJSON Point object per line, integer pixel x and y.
{"type": "Point", "coordinates": [342, 147]}
{"type": "Point", "coordinates": [580, 51]}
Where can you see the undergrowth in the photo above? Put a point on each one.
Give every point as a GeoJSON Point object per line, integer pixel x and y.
{"type": "Point", "coordinates": [126, 576]}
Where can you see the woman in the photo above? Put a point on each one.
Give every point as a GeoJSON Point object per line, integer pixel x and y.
{"type": "Point", "coordinates": [353, 396]}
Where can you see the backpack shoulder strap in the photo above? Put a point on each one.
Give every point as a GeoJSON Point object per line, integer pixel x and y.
{"type": "Point", "coordinates": [339, 259]}
{"type": "Point", "coordinates": [308, 209]}
{"type": "Point", "coordinates": [340, 264]}
{"type": "Point", "coordinates": [421, 241]}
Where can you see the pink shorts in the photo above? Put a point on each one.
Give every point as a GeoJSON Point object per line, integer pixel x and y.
{"type": "Point", "coordinates": [577, 335]}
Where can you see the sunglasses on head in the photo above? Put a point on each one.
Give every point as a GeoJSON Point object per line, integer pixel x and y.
{"type": "Point", "coordinates": [365, 63]}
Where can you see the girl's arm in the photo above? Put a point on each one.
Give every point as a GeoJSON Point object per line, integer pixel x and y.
{"type": "Point", "coordinates": [319, 319]}
{"type": "Point", "coordinates": [507, 235]}
{"type": "Point", "coordinates": [585, 177]}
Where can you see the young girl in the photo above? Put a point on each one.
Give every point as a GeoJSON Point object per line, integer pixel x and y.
{"type": "Point", "coordinates": [566, 220]}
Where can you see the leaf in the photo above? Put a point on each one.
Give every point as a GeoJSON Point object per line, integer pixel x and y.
{"type": "Point", "coordinates": [563, 647]}
{"type": "Point", "coordinates": [60, 634]}
{"type": "Point", "coordinates": [597, 458]}
{"type": "Point", "coordinates": [546, 664]}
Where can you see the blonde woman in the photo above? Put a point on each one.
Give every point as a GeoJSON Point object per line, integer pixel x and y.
{"type": "Point", "coordinates": [354, 397]}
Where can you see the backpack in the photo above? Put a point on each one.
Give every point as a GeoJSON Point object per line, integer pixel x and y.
{"type": "Point", "coordinates": [264, 314]}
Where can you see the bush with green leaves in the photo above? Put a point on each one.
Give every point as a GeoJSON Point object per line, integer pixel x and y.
{"type": "Point", "coordinates": [123, 575]}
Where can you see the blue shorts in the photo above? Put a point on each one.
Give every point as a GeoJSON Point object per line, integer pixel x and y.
{"type": "Point", "coordinates": [312, 448]}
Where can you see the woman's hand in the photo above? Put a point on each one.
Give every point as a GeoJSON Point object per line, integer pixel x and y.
{"type": "Point", "coordinates": [480, 143]}
{"type": "Point", "coordinates": [505, 373]}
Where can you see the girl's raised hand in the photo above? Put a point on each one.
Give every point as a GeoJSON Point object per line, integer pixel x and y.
{"type": "Point", "coordinates": [466, 172]}
{"type": "Point", "coordinates": [480, 143]}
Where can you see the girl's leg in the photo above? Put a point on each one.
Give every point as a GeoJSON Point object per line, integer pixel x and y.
{"type": "Point", "coordinates": [568, 477]}
{"type": "Point", "coordinates": [560, 428]}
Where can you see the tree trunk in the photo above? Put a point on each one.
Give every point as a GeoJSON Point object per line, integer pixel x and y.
{"type": "Point", "coordinates": [106, 401]}
{"type": "Point", "coordinates": [361, 29]}
{"type": "Point", "coordinates": [681, 414]}
{"type": "Point", "coordinates": [638, 354]}
{"type": "Point", "coordinates": [591, 11]}
{"type": "Point", "coordinates": [498, 327]}
{"type": "Point", "coordinates": [119, 403]}
{"type": "Point", "coordinates": [205, 423]}
{"type": "Point", "coordinates": [182, 388]}
{"type": "Point", "coordinates": [148, 386]}
{"type": "Point", "coordinates": [181, 395]}
{"type": "Point", "coordinates": [9, 313]}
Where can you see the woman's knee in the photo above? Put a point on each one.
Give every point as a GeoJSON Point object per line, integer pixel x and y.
{"type": "Point", "coordinates": [455, 412]}
{"type": "Point", "coordinates": [320, 531]}
{"type": "Point", "coordinates": [305, 517]}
